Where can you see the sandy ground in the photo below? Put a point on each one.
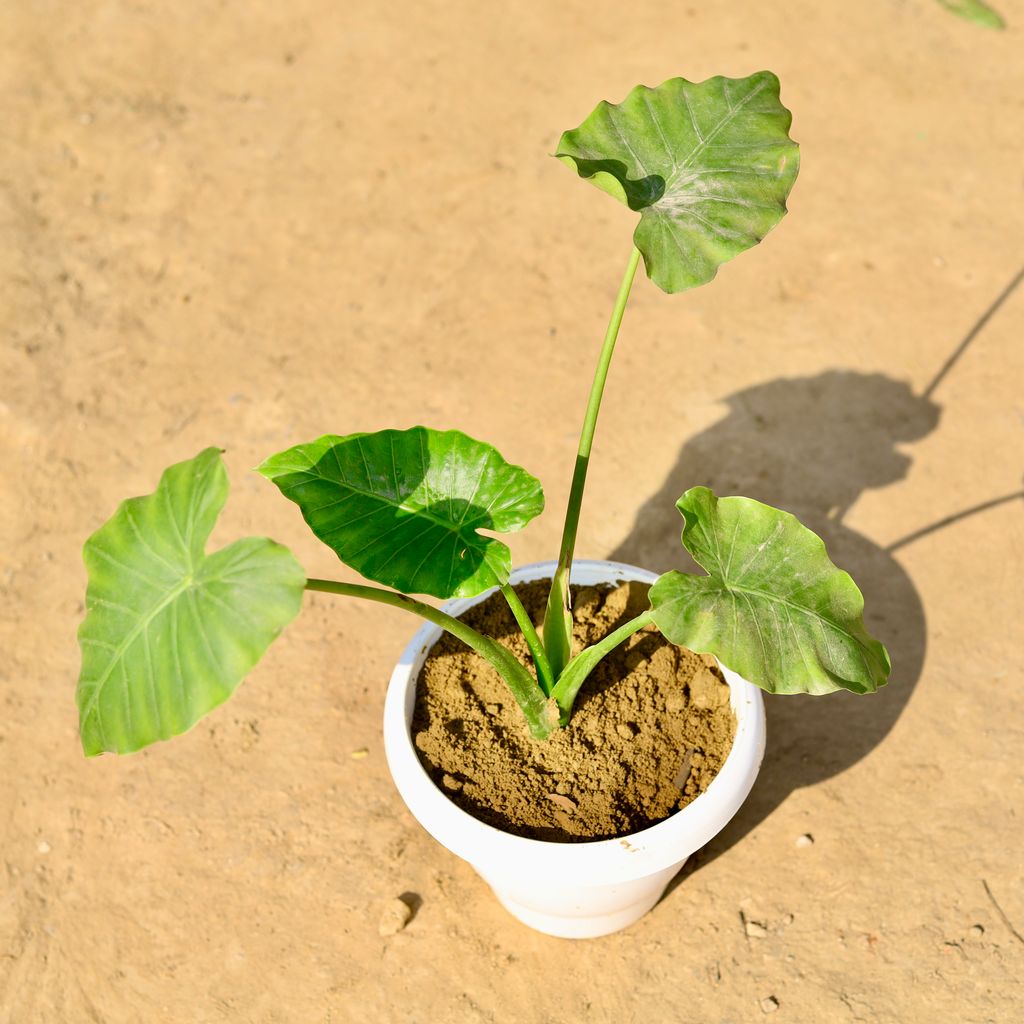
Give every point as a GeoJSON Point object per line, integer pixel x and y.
{"type": "Point", "coordinates": [248, 224]}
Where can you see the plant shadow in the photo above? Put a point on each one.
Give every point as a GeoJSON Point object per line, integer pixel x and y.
{"type": "Point", "coordinates": [812, 446]}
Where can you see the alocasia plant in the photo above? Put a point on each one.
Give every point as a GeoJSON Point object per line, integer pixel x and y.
{"type": "Point", "coordinates": [170, 631]}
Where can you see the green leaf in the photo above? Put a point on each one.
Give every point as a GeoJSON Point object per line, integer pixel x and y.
{"type": "Point", "coordinates": [975, 10]}
{"type": "Point", "coordinates": [403, 507]}
{"type": "Point", "coordinates": [169, 632]}
{"type": "Point", "coordinates": [774, 608]}
{"type": "Point", "coordinates": [707, 164]}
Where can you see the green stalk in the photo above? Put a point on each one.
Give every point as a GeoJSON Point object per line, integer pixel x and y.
{"type": "Point", "coordinates": [576, 672]}
{"type": "Point", "coordinates": [540, 660]}
{"type": "Point", "coordinates": [525, 689]}
{"type": "Point", "coordinates": [558, 618]}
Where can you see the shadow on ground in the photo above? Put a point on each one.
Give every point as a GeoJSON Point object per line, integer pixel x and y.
{"type": "Point", "coordinates": [810, 445]}
{"type": "Point", "coordinates": [813, 445]}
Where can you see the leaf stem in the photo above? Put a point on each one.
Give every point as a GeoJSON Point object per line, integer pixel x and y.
{"type": "Point", "coordinates": [525, 689]}
{"type": "Point", "coordinates": [540, 659]}
{"type": "Point", "coordinates": [558, 620]}
{"type": "Point", "coordinates": [576, 672]}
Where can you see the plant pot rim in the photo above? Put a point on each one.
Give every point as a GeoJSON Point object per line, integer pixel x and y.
{"type": "Point", "coordinates": [630, 856]}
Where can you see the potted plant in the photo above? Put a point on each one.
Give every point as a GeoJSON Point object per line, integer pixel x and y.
{"type": "Point", "coordinates": [170, 631]}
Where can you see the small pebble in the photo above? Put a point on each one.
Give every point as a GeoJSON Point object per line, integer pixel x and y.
{"type": "Point", "coordinates": [625, 730]}
{"type": "Point", "coordinates": [977, 931]}
{"type": "Point", "coordinates": [755, 930]}
{"type": "Point", "coordinates": [684, 770]}
{"type": "Point", "coordinates": [358, 755]}
{"type": "Point", "coordinates": [395, 916]}
{"type": "Point", "coordinates": [567, 805]}
{"type": "Point", "coordinates": [451, 783]}
{"type": "Point", "coordinates": [43, 847]}
{"type": "Point", "coordinates": [805, 840]}
{"type": "Point", "coordinates": [769, 1005]}
{"type": "Point", "coordinates": [493, 709]}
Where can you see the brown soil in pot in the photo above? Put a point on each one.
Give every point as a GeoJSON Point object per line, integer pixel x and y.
{"type": "Point", "coordinates": [650, 730]}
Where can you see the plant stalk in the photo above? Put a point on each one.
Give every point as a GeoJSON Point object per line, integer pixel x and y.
{"type": "Point", "coordinates": [576, 672]}
{"type": "Point", "coordinates": [528, 694]}
{"type": "Point", "coordinates": [558, 618]}
{"type": "Point", "coordinates": [540, 659]}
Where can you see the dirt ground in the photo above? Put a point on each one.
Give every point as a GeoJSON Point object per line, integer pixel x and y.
{"type": "Point", "coordinates": [248, 224]}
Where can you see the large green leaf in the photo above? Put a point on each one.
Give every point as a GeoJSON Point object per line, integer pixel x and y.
{"type": "Point", "coordinates": [707, 164]}
{"type": "Point", "coordinates": [774, 608]}
{"type": "Point", "coordinates": [403, 507]}
{"type": "Point", "coordinates": [170, 632]}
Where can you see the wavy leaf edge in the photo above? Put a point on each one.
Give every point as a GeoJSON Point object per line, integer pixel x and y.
{"type": "Point", "coordinates": [476, 560]}
{"type": "Point", "coordinates": [699, 634]}
{"type": "Point", "coordinates": [146, 560]}
{"type": "Point", "coordinates": [672, 267]}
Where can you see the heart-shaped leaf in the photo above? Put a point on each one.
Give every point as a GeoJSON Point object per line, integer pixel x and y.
{"type": "Point", "coordinates": [170, 632]}
{"type": "Point", "coordinates": [403, 507]}
{"type": "Point", "coordinates": [774, 608]}
{"type": "Point", "coordinates": [707, 164]}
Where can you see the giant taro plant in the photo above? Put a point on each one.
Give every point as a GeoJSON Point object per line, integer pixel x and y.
{"type": "Point", "coordinates": [171, 630]}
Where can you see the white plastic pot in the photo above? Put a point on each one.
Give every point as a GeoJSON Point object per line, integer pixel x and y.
{"type": "Point", "coordinates": [571, 890]}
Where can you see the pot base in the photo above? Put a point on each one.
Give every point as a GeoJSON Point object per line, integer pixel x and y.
{"type": "Point", "coordinates": [584, 924]}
